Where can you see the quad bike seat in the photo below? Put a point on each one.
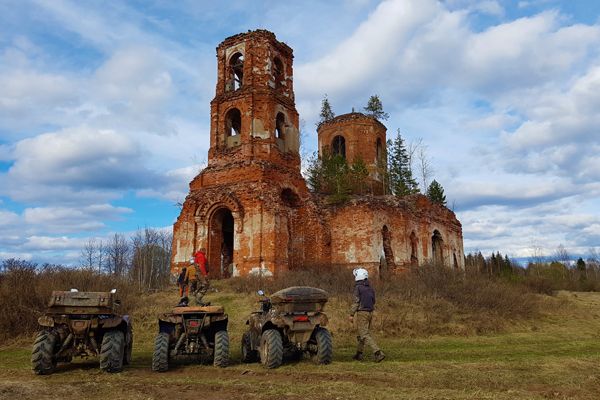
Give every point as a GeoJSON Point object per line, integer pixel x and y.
{"type": "Point", "coordinates": [199, 309]}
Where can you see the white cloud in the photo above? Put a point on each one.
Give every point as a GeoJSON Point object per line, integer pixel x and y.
{"type": "Point", "coordinates": [52, 243]}
{"type": "Point", "coordinates": [77, 158]}
{"type": "Point", "coordinates": [72, 220]}
{"type": "Point", "coordinates": [8, 218]}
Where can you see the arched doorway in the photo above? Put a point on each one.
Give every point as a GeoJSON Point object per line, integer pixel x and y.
{"type": "Point", "coordinates": [221, 239]}
{"type": "Point", "coordinates": [437, 244]}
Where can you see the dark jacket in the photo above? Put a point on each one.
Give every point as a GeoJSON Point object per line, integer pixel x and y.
{"type": "Point", "coordinates": [364, 297]}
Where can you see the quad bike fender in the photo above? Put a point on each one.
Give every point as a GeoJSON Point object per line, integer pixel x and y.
{"type": "Point", "coordinates": [170, 319]}
{"type": "Point", "coordinates": [113, 322]}
{"type": "Point", "coordinates": [219, 317]}
{"type": "Point", "coordinates": [46, 320]}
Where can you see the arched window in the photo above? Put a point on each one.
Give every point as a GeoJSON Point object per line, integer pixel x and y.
{"type": "Point", "coordinates": [278, 74]}
{"type": "Point", "coordinates": [233, 122]}
{"type": "Point", "coordinates": [236, 71]}
{"type": "Point", "coordinates": [338, 146]}
{"type": "Point", "coordinates": [280, 126]}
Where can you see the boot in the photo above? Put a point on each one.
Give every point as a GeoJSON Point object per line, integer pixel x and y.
{"type": "Point", "coordinates": [379, 356]}
{"type": "Point", "coordinates": [358, 356]}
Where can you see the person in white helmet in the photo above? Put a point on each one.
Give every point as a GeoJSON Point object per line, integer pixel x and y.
{"type": "Point", "coordinates": [362, 313]}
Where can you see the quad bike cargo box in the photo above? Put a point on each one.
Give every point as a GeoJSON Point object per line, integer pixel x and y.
{"type": "Point", "coordinates": [63, 302]}
{"type": "Point", "coordinates": [300, 299]}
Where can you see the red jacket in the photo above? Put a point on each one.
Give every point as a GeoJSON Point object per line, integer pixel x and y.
{"type": "Point", "coordinates": [200, 259]}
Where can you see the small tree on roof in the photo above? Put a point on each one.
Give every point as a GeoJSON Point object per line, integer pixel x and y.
{"type": "Point", "coordinates": [326, 111]}
{"type": "Point", "coordinates": [402, 182]}
{"type": "Point", "coordinates": [435, 192]}
{"type": "Point", "coordinates": [374, 108]}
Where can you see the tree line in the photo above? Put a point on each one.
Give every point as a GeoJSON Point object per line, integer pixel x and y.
{"type": "Point", "coordinates": [332, 175]}
{"type": "Point", "coordinates": [143, 258]}
{"type": "Point", "coordinates": [558, 271]}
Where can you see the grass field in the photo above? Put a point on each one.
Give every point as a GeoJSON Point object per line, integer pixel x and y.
{"type": "Point", "coordinates": [554, 356]}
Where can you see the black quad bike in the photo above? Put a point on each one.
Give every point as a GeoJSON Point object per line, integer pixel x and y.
{"type": "Point", "coordinates": [191, 332]}
{"type": "Point", "coordinates": [82, 324]}
{"type": "Point", "coordinates": [288, 325]}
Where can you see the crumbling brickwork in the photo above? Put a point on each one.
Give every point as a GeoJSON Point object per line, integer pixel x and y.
{"type": "Point", "coordinates": [250, 207]}
{"type": "Point", "coordinates": [358, 137]}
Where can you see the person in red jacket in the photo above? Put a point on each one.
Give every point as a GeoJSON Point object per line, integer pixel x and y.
{"type": "Point", "coordinates": [199, 260]}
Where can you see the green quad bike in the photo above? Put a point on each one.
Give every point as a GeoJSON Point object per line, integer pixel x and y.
{"type": "Point", "coordinates": [191, 332]}
{"type": "Point", "coordinates": [287, 326]}
{"type": "Point", "coordinates": [82, 324]}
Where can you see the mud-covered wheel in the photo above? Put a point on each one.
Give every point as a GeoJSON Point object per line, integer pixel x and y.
{"type": "Point", "coordinates": [271, 348]}
{"type": "Point", "coordinates": [128, 347]}
{"type": "Point", "coordinates": [42, 354]}
{"type": "Point", "coordinates": [248, 355]}
{"type": "Point", "coordinates": [112, 351]}
{"type": "Point", "coordinates": [160, 357]}
{"type": "Point", "coordinates": [221, 353]}
{"type": "Point", "coordinates": [324, 354]}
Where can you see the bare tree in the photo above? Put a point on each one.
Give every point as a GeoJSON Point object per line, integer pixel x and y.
{"type": "Point", "coordinates": [100, 258]}
{"type": "Point", "coordinates": [420, 163]}
{"type": "Point", "coordinates": [117, 251]}
{"type": "Point", "coordinates": [425, 169]}
{"type": "Point", "coordinates": [151, 256]}
{"type": "Point", "coordinates": [89, 254]}
{"type": "Point", "coordinates": [537, 254]}
{"type": "Point", "coordinates": [562, 256]}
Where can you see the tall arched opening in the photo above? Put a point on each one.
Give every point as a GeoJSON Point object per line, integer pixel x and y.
{"type": "Point", "coordinates": [220, 244]}
{"type": "Point", "coordinates": [388, 253]}
{"type": "Point", "coordinates": [414, 243]}
{"type": "Point", "coordinates": [437, 245]}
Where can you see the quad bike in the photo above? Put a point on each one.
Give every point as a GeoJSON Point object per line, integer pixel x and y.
{"type": "Point", "coordinates": [198, 332]}
{"type": "Point", "coordinates": [289, 324]}
{"type": "Point", "coordinates": [82, 324]}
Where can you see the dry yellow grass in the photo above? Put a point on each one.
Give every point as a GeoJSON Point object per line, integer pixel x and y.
{"type": "Point", "coordinates": [553, 356]}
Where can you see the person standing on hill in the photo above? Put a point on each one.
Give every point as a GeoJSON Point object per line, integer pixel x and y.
{"type": "Point", "coordinates": [199, 261]}
{"type": "Point", "coordinates": [181, 282]}
{"type": "Point", "coordinates": [191, 278]}
{"type": "Point", "coordinates": [362, 313]}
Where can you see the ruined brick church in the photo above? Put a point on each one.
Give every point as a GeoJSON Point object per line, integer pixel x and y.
{"type": "Point", "coordinates": [251, 209]}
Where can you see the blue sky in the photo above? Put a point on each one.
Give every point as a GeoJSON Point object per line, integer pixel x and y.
{"type": "Point", "coordinates": [104, 109]}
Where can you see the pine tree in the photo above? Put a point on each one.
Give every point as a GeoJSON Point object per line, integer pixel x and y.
{"type": "Point", "coordinates": [326, 111]}
{"type": "Point", "coordinates": [374, 108]}
{"type": "Point", "coordinates": [402, 182]}
{"type": "Point", "coordinates": [435, 192]}
{"type": "Point", "coordinates": [330, 175]}
{"type": "Point", "coordinates": [358, 176]}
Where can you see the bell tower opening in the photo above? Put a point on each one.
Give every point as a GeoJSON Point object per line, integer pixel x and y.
{"type": "Point", "coordinates": [236, 71]}
{"type": "Point", "coordinates": [220, 246]}
{"type": "Point", "coordinates": [280, 126]}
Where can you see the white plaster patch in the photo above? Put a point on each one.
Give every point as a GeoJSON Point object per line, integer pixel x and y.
{"type": "Point", "coordinates": [260, 271]}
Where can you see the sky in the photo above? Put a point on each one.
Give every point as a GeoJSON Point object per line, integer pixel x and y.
{"type": "Point", "coordinates": [104, 109]}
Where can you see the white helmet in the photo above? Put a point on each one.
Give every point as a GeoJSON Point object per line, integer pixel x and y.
{"type": "Point", "coordinates": [360, 274]}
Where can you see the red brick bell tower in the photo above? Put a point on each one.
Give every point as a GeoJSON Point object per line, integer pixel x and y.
{"type": "Point", "coordinates": [253, 115]}
{"type": "Point", "coordinates": [245, 208]}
